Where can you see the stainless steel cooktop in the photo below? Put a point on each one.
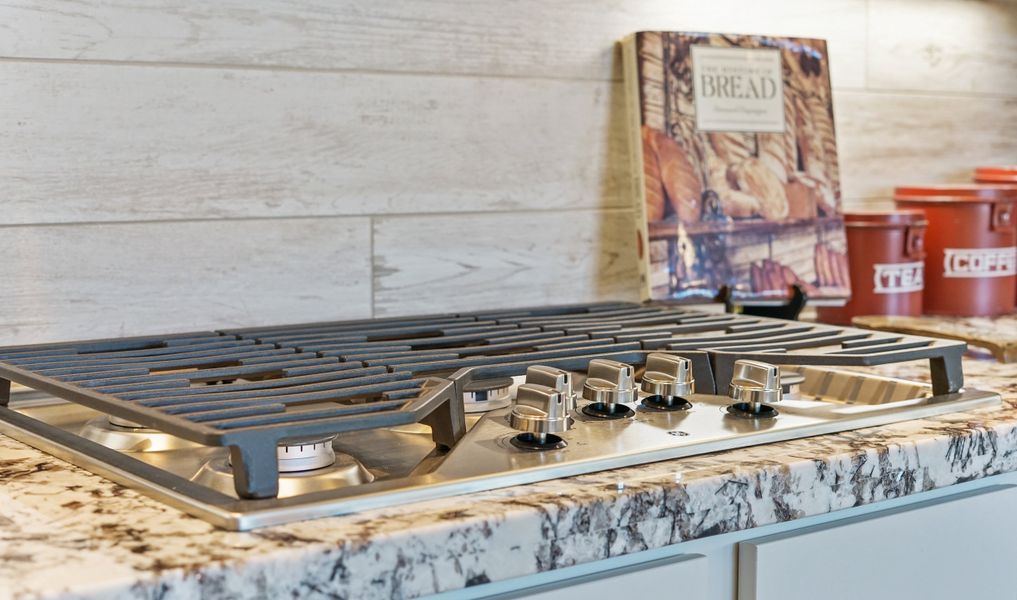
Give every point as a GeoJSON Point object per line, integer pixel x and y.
{"type": "Point", "coordinates": [247, 428]}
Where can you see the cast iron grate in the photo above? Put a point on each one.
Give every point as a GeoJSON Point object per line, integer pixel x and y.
{"type": "Point", "coordinates": [251, 389]}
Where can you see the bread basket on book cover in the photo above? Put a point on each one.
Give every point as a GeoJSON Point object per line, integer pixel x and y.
{"type": "Point", "coordinates": [735, 157]}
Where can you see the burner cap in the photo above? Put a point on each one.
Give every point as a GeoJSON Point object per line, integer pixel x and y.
{"type": "Point", "coordinates": [306, 455]}
{"type": "Point", "coordinates": [346, 471]}
{"type": "Point", "coordinates": [126, 436]}
{"type": "Point", "coordinates": [538, 441]}
{"type": "Point", "coordinates": [482, 390]}
{"type": "Point", "coordinates": [790, 383]}
{"type": "Point", "coordinates": [482, 395]}
{"type": "Point", "coordinates": [603, 410]}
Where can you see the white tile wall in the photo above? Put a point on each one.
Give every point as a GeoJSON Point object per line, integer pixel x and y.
{"type": "Point", "coordinates": [183, 165]}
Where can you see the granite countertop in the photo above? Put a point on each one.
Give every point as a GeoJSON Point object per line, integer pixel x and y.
{"type": "Point", "coordinates": [67, 533]}
{"type": "Point", "coordinates": [995, 334]}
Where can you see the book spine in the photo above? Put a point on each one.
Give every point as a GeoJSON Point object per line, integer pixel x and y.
{"type": "Point", "coordinates": [633, 99]}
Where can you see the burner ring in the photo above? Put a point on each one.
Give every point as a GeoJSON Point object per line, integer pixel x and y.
{"type": "Point", "coordinates": [483, 390]}
{"type": "Point", "coordinates": [666, 403]}
{"type": "Point", "coordinates": [125, 423]}
{"type": "Point", "coordinates": [603, 410]}
{"type": "Point", "coordinates": [537, 441]}
{"type": "Point", "coordinates": [483, 395]}
{"type": "Point", "coordinates": [306, 455]}
{"type": "Point", "coordinates": [743, 410]}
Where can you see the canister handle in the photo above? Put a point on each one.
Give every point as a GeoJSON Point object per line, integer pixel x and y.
{"type": "Point", "coordinates": [914, 242]}
{"type": "Point", "coordinates": [1002, 217]}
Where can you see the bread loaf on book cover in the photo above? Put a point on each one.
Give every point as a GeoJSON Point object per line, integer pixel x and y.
{"type": "Point", "coordinates": [735, 156]}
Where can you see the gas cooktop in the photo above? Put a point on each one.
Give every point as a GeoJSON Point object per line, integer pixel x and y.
{"type": "Point", "coordinates": [253, 427]}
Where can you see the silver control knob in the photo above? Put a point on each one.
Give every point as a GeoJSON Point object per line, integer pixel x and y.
{"type": "Point", "coordinates": [540, 409]}
{"type": "Point", "coordinates": [755, 384]}
{"type": "Point", "coordinates": [556, 379]}
{"type": "Point", "coordinates": [609, 382]}
{"type": "Point", "coordinates": [667, 375]}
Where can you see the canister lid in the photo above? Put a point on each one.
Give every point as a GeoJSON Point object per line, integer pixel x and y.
{"type": "Point", "coordinates": [956, 192]}
{"type": "Point", "coordinates": [885, 218]}
{"type": "Point", "coordinates": [997, 174]}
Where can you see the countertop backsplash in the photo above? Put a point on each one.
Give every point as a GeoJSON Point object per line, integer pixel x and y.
{"type": "Point", "coordinates": [238, 163]}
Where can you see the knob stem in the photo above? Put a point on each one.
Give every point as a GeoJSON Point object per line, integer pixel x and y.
{"type": "Point", "coordinates": [755, 384]}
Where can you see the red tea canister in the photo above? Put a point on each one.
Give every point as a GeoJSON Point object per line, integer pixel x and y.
{"type": "Point", "coordinates": [886, 252]}
{"type": "Point", "coordinates": [971, 247]}
{"type": "Point", "coordinates": [997, 175]}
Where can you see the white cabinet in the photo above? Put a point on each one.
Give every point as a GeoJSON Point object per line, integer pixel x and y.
{"type": "Point", "coordinates": [959, 546]}
{"type": "Point", "coordinates": [680, 577]}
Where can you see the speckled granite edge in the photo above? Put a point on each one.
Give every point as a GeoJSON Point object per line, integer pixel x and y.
{"type": "Point", "coordinates": [68, 534]}
{"type": "Point", "coordinates": [998, 335]}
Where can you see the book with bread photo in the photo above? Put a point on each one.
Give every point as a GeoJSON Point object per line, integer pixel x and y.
{"type": "Point", "coordinates": [735, 167]}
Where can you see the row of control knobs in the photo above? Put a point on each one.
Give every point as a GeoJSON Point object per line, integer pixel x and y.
{"type": "Point", "coordinates": [545, 403]}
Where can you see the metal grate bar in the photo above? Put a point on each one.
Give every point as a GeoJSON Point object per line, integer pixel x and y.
{"type": "Point", "coordinates": [177, 353]}
{"type": "Point", "coordinates": [883, 349]}
{"type": "Point", "coordinates": [382, 333]}
{"type": "Point", "coordinates": [189, 410]}
{"type": "Point", "coordinates": [873, 341]}
{"type": "Point", "coordinates": [600, 316]}
{"type": "Point", "coordinates": [749, 326]}
{"type": "Point", "coordinates": [657, 319]}
{"type": "Point", "coordinates": [274, 392]}
{"type": "Point", "coordinates": [449, 346]}
{"type": "Point", "coordinates": [183, 363]}
{"type": "Point", "coordinates": [317, 415]}
{"type": "Point", "coordinates": [219, 373]}
{"type": "Point", "coordinates": [444, 365]}
{"type": "Point", "coordinates": [463, 351]}
{"type": "Point", "coordinates": [248, 409]}
{"type": "Point", "coordinates": [34, 360]}
{"type": "Point", "coordinates": [282, 381]}
{"type": "Point", "coordinates": [135, 343]}
{"type": "Point", "coordinates": [580, 343]}
{"type": "Point", "coordinates": [773, 331]}
{"type": "Point", "coordinates": [339, 326]}
{"type": "Point", "coordinates": [561, 309]}
{"type": "Point", "coordinates": [813, 338]}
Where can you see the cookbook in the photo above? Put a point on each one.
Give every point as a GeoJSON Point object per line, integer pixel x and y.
{"type": "Point", "coordinates": [734, 158]}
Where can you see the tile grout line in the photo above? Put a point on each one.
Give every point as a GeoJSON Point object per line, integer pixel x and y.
{"type": "Point", "coordinates": [293, 69]}
{"type": "Point", "coordinates": [866, 88]}
{"type": "Point", "coordinates": [424, 215]}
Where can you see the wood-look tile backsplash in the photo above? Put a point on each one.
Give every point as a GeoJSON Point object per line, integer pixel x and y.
{"type": "Point", "coordinates": [171, 167]}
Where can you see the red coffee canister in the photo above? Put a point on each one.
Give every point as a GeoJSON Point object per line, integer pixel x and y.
{"type": "Point", "coordinates": [997, 175]}
{"type": "Point", "coordinates": [886, 252]}
{"type": "Point", "coordinates": [971, 247]}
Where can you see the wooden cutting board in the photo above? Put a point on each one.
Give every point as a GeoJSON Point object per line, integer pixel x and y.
{"type": "Point", "coordinates": [997, 334]}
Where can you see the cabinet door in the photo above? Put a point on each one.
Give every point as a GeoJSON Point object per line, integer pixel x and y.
{"type": "Point", "coordinates": [676, 578]}
{"type": "Point", "coordinates": [961, 546]}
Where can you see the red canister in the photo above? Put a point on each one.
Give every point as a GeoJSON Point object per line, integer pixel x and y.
{"type": "Point", "coordinates": [996, 175]}
{"type": "Point", "coordinates": [971, 247]}
{"type": "Point", "coordinates": [886, 252]}
{"type": "Point", "coordinates": [1005, 175]}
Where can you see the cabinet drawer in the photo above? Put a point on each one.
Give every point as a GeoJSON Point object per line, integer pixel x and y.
{"type": "Point", "coordinates": [680, 577]}
{"type": "Point", "coordinates": [961, 546]}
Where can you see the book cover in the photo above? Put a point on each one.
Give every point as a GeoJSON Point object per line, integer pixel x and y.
{"type": "Point", "coordinates": [735, 163]}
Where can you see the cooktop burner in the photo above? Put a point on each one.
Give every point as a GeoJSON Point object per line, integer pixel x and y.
{"type": "Point", "coordinates": [251, 427]}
